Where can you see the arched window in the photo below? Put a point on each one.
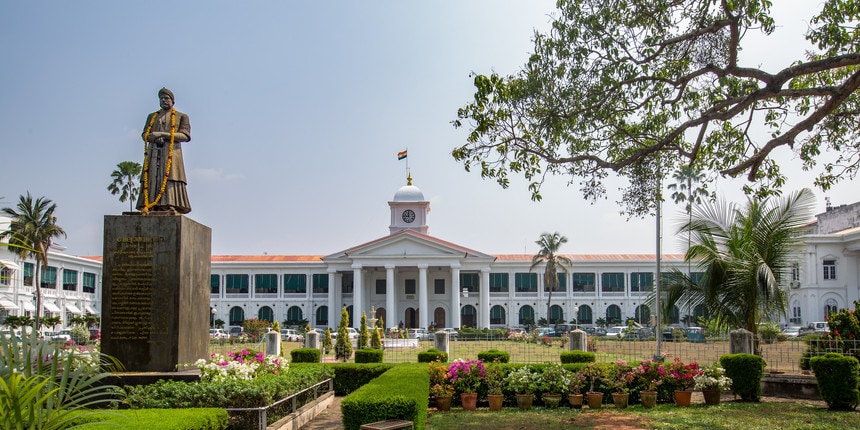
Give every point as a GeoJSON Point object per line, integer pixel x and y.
{"type": "Point", "coordinates": [830, 306]}
{"type": "Point", "coordinates": [527, 315]}
{"type": "Point", "coordinates": [643, 315]}
{"type": "Point", "coordinates": [556, 315]}
{"type": "Point", "coordinates": [266, 314]}
{"type": "Point", "coordinates": [613, 314]}
{"type": "Point", "coordinates": [237, 315]}
{"type": "Point", "coordinates": [469, 316]}
{"type": "Point", "coordinates": [699, 314]}
{"type": "Point", "coordinates": [584, 316]}
{"type": "Point", "coordinates": [497, 315]}
{"type": "Point", "coordinates": [294, 315]}
{"type": "Point", "coordinates": [674, 315]}
{"type": "Point", "coordinates": [322, 316]}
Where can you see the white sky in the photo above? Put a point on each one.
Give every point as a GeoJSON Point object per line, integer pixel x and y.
{"type": "Point", "coordinates": [298, 110]}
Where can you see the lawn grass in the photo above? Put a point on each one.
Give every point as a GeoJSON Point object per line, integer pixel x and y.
{"type": "Point", "coordinates": [727, 415]}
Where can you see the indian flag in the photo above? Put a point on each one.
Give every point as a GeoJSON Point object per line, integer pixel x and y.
{"type": "Point", "coordinates": [401, 155]}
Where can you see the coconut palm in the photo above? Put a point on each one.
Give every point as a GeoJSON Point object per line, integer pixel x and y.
{"type": "Point", "coordinates": [746, 254]}
{"type": "Point", "coordinates": [124, 184]}
{"type": "Point", "coordinates": [549, 246]}
{"type": "Point", "coordinates": [31, 231]}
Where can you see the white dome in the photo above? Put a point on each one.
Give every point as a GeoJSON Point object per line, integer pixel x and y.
{"type": "Point", "coordinates": [409, 193]}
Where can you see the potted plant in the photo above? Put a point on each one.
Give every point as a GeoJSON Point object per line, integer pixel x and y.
{"type": "Point", "coordinates": [619, 380]}
{"type": "Point", "coordinates": [712, 381]}
{"type": "Point", "coordinates": [441, 390]}
{"type": "Point", "coordinates": [494, 377]}
{"type": "Point", "coordinates": [467, 377]}
{"type": "Point", "coordinates": [683, 378]}
{"type": "Point", "coordinates": [575, 383]}
{"type": "Point", "coordinates": [649, 375]}
{"type": "Point", "coordinates": [553, 381]}
{"type": "Point", "coordinates": [593, 372]}
{"type": "Point", "coordinates": [524, 383]}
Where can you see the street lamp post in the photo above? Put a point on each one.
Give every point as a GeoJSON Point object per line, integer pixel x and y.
{"type": "Point", "coordinates": [214, 311]}
{"type": "Point", "coordinates": [576, 317]}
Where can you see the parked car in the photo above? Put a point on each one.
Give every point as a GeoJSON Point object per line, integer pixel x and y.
{"type": "Point", "coordinates": [95, 334]}
{"type": "Point", "coordinates": [353, 333]}
{"type": "Point", "coordinates": [419, 333]}
{"type": "Point", "coordinates": [291, 335]}
{"type": "Point", "coordinates": [616, 331]}
{"type": "Point", "coordinates": [544, 331]}
{"type": "Point", "coordinates": [595, 331]}
{"type": "Point", "coordinates": [63, 335]}
{"type": "Point", "coordinates": [218, 333]}
{"type": "Point", "coordinates": [792, 332]}
{"type": "Point", "coordinates": [236, 331]}
{"type": "Point", "coordinates": [819, 327]}
{"type": "Point", "coordinates": [452, 333]}
{"type": "Point", "coordinates": [669, 332]}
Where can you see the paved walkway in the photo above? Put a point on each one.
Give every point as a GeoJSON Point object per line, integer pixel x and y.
{"type": "Point", "coordinates": [330, 418]}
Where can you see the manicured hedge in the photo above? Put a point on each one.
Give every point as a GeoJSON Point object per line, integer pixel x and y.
{"type": "Point", "coordinates": [491, 355]}
{"type": "Point", "coordinates": [349, 377]}
{"type": "Point", "coordinates": [745, 371]}
{"type": "Point", "coordinates": [432, 354]}
{"type": "Point", "coordinates": [578, 357]}
{"type": "Point", "coordinates": [388, 397]}
{"type": "Point", "coordinates": [837, 377]}
{"type": "Point", "coordinates": [368, 355]}
{"type": "Point", "coordinates": [152, 419]}
{"type": "Point", "coordinates": [305, 355]}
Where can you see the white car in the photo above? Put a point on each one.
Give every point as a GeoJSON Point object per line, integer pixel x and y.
{"type": "Point", "coordinates": [419, 333]}
{"type": "Point", "coordinates": [218, 333]}
{"type": "Point", "coordinates": [291, 335]}
{"type": "Point", "coordinates": [616, 332]}
{"type": "Point", "coordinates": [353, 333]}
{"type": "Point", "coordinates": [64, 335]}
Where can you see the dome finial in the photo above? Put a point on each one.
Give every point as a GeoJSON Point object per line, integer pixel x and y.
{"type": "Point", "coordinates": [409, 179]}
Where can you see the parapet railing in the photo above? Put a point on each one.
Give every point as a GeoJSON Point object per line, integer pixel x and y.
{"type": "Point", "coordinates": [285, 406]}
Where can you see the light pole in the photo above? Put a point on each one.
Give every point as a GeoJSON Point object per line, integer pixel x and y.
{"type": "Point", "coordinates": [214, 311]}
{"type": "Point", "coordinates": [576, 317]}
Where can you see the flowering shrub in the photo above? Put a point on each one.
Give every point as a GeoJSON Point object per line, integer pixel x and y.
{"type": "Point", "coordinates": [554, 379]}
{"type": "Point", "coordinates": [523, 381]}
{"type": "Point", "coordinates": [593, 373]}
{"type": "Point", "coordinates": [683, 373]}
{"type": "Point", "coordinates": [440, 385]}
{"type": "Point", "coordinates": [575, 383]}
{"type": "Point", "coordinates": [466, 375]}
{"type": "Point", "coordinates": [620, 379]}
{"type": "Point", "coordinates": [650, 374]}
{"type": "Point", "coordinates": [713, 378]}
{"type": "Point", "coordinates": [245, 364]}
{"type": "Point", "coordinates": [495, 378]}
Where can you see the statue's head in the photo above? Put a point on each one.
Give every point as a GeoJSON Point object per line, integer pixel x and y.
{"type": "Point", "coordinates": [165, 98]}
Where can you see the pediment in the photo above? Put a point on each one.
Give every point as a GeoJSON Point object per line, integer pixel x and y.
{"type": "Point", "coordinates": [407, 244]}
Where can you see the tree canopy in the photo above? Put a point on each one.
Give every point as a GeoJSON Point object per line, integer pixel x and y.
{"type": "Point", "coordinates": [642, 88]}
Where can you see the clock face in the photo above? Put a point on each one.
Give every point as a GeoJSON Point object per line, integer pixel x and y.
{"type": "Point", "coordinates": [408, 216]}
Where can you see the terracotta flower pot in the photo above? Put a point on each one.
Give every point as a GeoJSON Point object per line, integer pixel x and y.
{"type": "Point", "coordinates": [649, 398]}
{"type": "Point", "coordinates": [575, 400]}
{"type": "Point", "coordinates": [469, 401]}
{"type": "Point", "coordinates": [443, 403]}
{"type": "Point", "coordinates": [551, 400]}
{"type": "Point", "coordinates": [496, 401]}
{"type": "Point", "coordinates": [524, 401]}
{"type": "Point", "coordinates": [683, 398]}
{"type": "Point", "coordinates": [595, 400]}
{"type": "Point", "coordinates": [712, 397]}
{"type": "Point", "coordinates": [620, 400]}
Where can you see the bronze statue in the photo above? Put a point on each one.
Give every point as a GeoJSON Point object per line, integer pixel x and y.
{"type": "Point", "coordinates": [163, 180]}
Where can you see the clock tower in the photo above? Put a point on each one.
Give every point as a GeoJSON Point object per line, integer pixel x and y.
{"type": "Point", "coordinates": [409, 209]}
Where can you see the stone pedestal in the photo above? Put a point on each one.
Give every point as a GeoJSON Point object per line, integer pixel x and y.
{"type": "Point", "coordinates": [441, 342]}
{"type": "Point", "coordinates": [273, 343]}
{"type": "Point", "coordinates": [155, 291]}
{"type": "Point", "coordinates": [741, 341]}
{"type": "Point", "coordinates": [312, 339]}
{"type": "Point", "coordinates": [577, 341]}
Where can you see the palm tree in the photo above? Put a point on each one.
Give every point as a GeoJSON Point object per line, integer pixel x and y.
{"type": "Point", "coordinates": [32, 229]}
{"type": "Point", "coordinates": [549, 245]}
{"type": "Point", "coordinates": [124, 184]}
{"type": "Point", "coordinates": [746, 254]}
{"type": "Point", "coordinates": [683, 192]}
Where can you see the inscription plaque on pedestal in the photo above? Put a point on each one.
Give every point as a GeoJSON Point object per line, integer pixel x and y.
{"type": "Point", "coordinates": [155, 295]}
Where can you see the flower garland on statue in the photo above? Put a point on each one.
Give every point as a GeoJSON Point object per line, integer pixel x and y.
{"type": "Point", "coordinates": [146, 204]}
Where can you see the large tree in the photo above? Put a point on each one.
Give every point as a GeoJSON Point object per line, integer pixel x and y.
{"type": "Point", "coordinates": [31, 231]}
{"type": "Point", "coordinates": [124, 182]}
{"type": "Point", "coordinates": [746, 254]}
{"type": "Point", "coordinates": [548, 254]}
{"type": "Point", "coordinates": [614, 84]}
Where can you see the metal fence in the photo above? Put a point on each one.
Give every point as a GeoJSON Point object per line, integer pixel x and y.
{"type": "Point", "coordinates": [259, 418]}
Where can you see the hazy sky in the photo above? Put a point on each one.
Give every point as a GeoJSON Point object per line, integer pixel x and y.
{"type": "Point", "coordinates": [298, 110]}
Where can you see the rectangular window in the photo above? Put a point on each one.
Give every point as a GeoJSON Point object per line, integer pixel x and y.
{"type": "Point", "coordinates": [266, 284]}
{"type": "Point", "coordinates": [5, 275]}
{"type": "Point", "coordinates": [89, 282]}
{"type": "Point", "coordinates": [380, 286]}
{"type": "Point", "coordinates": [795, 272]}
{"type": "Point", "coordinates": [320, 283]}
{"type": "Point", "coordinates": [346, 283]}
{"type": "Point", "coordinates": [214, 284]}
{"type": "Point", "coordinates": [410, 286]}
{"type": "Point", "coordinates": [643, 281]}
{"type": "Point", "coordinates": [562, 283]}
{"type": "Point", "coordinates": [70, 280]}
{"type": "Point", "coordinates": [295, 284]}
{"type": "Point", "coordinates": [28, 274]}
{"type": "Point", "coordinates": [583, 282]}
{"type": "Point", "coordinates": [49, 277]}
{"type": "Point", "coordinates": [236, 284]}
{"type": "Point", "coordinates": [469, 281]}
{"type": "Point", "coordinates": [525, 282]}
{"type": "Point", "coordinates": [697, 277]}
{"type": "Point", "coordinates": [829, 269]}
{"type": "Point", "coordinates": [498, 282]}
{"type": "Point", "coordinates": [612, 282]}
{"type": "Point", "coordinates": [439, 286]}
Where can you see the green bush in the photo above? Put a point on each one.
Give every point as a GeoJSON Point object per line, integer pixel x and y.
{"type": "Point", "coordinates": [432, 354]}
{"type": "Point", "coordinates": [745, 371]}
{"type": "Point", "coordinates": [568, 357]}
{"type": "Point", "coordinates": [305, 355]}
{"type": "Point", "coordinates": [838, 379]}
{"type": "Point", "coordinates": [148, 419]}
{"type": "Point", "coordinates": [769, 332]}
{"type": "Point", "coordinates": [491, 355]}
{"type": "Point", "coordinates": [387, 397]}
{"type": "Point", "coordinates": [368, 355]}
{"type": "Point", "coordinates": [80, 334]}
{"type": "Point", "coordinates": [349, 377]}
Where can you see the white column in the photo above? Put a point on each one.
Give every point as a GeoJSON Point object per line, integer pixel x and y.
{"type": "Point", "coordinates": [423, 306]}
{"type": "Point", "coordinates": [485, 298]}
{"type": "Point", "coordinates": [455, 296]}
{"type": "Point", "coordinates": [390, 303]}
{"type": "Point", "coordinates": [332, 298]}
{"type": "Point", "coordinates": [357, 295]}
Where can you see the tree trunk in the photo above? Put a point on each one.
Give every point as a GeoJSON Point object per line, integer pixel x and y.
{"type": "Point", "coordinates": [38, 287]}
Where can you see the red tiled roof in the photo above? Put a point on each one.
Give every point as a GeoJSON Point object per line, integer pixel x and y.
{"type": "Point", "coordinates": [273, 258]}
{"type": "Point", "coordinates": [595, 257]}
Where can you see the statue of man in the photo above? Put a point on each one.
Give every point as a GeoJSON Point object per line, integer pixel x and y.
{"type": "Point", "coordinates": [163, 180]}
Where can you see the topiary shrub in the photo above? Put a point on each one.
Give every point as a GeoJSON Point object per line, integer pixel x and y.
{"type": "Point", "coordinates": [432, 354]}
{"type": "Point", "coordinates": [837, 377]}
{"type": "Point", "coordinates": [745, 371]}
{"type": "Point", "coordinates": [305, 355]}
{"type": "Point", "coordinates": [569, 357]}
{"type": "Point", "coordinates": [368, 355]}
{"type": "Point", "coordinates": [491, 355]}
